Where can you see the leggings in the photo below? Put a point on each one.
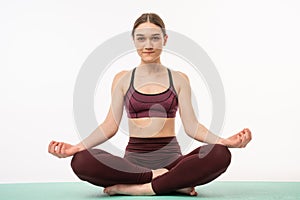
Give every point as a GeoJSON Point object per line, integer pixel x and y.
{"type": "Point", "coordinates": [143, 155]}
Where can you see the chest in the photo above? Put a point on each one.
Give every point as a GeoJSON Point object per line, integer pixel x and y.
{"type": "Point", "coordinates": [151, 85]}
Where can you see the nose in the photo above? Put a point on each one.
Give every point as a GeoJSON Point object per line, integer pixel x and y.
{"type": "Point", "coordinates": [148, 45]}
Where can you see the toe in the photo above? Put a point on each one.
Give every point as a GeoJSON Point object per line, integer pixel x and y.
{"type": "Point", "coordinates": [193, 192]}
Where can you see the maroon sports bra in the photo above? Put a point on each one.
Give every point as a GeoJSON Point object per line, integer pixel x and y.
{"type": "Point", "coordinates": [163, 104]}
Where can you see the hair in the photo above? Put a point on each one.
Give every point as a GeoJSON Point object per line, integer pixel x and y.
{"type": "Point", "coordinates": [152, 18]}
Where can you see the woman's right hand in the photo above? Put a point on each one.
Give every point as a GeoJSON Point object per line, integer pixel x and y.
{"type": "Point", "coordinates": [62, 150]}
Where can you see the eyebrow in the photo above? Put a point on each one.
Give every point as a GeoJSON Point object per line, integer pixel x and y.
{"type": "Point", "coordinates": [143, 34]}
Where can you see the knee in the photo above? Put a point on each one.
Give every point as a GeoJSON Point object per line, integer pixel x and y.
{"type": "Point", "coordinates": [78, 162]}
{"type": "Point", "coordinates": [222, 155]}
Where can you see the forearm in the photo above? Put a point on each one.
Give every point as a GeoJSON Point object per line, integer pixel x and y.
{"type": "Point", "coordinates": [202, 134]}
{"type": "Point", "coordinates": [98, 136]}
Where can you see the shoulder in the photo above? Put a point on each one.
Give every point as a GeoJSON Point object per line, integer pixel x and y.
{"type": "Point", "coordinates": [120, 75]}
{"type": "Point", "coordinates": [121, 80]}
{"type": "Point", "coordinates": [180, 77]}
{"type": "Point", "coordinates": [181, 81]}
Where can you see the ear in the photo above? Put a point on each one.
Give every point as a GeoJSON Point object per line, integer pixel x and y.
{"type": "Point", "coordinates": [165, 39]}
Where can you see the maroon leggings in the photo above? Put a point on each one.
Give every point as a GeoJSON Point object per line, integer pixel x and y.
{"type": "Point", "coordinates": [142, 155]}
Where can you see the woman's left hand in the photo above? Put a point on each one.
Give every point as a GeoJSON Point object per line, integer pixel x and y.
{"type": "Point", "coordinates": [239, 140]}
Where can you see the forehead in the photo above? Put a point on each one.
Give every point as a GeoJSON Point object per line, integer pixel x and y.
{"type": "Point", "coordinates": [147, 29]}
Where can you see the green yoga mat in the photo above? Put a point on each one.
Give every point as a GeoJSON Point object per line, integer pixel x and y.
{"type": "Point", "coordinates": [215, 190]}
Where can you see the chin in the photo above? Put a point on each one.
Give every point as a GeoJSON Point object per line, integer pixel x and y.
{"type": "Point", "coordinates": [150, 59]}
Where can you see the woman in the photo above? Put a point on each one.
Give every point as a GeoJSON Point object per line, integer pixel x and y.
{"type": "Point", "coordinates": [153, 163]}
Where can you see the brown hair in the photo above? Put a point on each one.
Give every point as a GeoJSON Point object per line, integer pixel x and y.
{"type": "Point", "coordinates": [152, 18]}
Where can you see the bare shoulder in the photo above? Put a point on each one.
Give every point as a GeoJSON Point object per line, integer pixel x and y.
{"type": "Point", "coordinates": [181, 81]}
{"type": "Point", "coordinates": [122, 80]}
{"type": "Point", "coordinates": [120, 75]}
{"type": "Point", "coordinates": [180, 77]}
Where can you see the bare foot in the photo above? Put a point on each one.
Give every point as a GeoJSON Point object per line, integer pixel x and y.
{"type": "Point", "coordinates": [190, 191]}
{"type": "Point", "coordinates": [158, 172]}
{"type": "Point", "coordinates": [130, 189]}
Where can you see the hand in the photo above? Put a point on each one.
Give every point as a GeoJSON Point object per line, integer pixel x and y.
{"type": "Point", "coordinates": [239, 140]}
{"type": "Point", "coordinates": [61, 149]}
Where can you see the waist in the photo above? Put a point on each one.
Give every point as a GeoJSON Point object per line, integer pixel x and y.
{"type": "Point", "coordinates": [139, 145]}
{"type": "Point", "coordinates": [152, 127]}
{"type": "Point", "coordinates": [153, 153]}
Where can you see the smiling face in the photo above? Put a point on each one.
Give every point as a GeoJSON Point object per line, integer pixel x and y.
{"type": "Point", "coordinates": [149, 41]}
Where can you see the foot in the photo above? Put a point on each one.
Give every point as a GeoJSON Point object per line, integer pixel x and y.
{"type": "Point", "coordinates": [158, 172]}
{"type": "Point", "coordinates": [130, 189]}
{"type": "Point", "coordinates": [189, 191]}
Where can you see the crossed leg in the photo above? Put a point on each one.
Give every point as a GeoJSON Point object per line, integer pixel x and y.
{"type": "Point", "coordinates": [201, 166]}
{"type": "Point", "coordinates": [103, 169]}
{"type": "Point", "coordinates": [144, 189]}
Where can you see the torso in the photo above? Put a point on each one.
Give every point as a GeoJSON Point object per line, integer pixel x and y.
{"type": "Point", "coordinates": [146, 127]}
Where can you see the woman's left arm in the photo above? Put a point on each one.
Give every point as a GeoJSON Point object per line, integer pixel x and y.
{"type": "Point", "coordinates": [198, 131]}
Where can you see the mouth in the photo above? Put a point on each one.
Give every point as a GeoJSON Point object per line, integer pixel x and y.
{"type": "Point", "coordinates": [150, 52]}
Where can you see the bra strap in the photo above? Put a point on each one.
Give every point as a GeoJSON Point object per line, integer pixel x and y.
{"type": "Point", "coordinates": [132, 76]}
{"type": "Point", "coordinates": [170, 78]}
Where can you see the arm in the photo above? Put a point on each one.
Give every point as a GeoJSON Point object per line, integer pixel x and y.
{"type": "Point", "coordinates": [110, 126]}
{"type": "Point", "coordinates": [103, 132]}
{"type": "Point", "coordinates": [198, 131]}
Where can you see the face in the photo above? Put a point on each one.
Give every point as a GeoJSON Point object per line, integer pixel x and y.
{"type": "Point", "coordinates": [149, 41]}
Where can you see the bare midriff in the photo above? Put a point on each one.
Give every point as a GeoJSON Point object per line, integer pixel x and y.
{"type": "Point", "coordinates": [151, 127]}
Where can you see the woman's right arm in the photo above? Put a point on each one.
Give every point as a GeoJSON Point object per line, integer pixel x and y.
{"type": "Point", "coordinates": [107, 129]}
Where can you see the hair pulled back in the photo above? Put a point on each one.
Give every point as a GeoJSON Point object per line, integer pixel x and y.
{"type": "Point", "coordinates": [149, 17]}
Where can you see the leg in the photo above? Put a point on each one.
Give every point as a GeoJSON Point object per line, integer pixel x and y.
{"type": "Point", "coordinates": [97, 167]}
{"type": "Point", "coordinates": [201, 166]}
{"type": "Point", "coordinates": [183, 175]}
{"type": "Point", "coordinates": [144, 189]}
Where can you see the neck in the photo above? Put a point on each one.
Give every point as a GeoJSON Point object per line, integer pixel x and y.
{"type": "Point", "coordinates": [155, 61]}
{"type": "Point", "coordinates": [150, 67]}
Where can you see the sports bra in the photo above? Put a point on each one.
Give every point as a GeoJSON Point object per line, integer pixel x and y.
{"type": "Point", "coordinates": [163, 104]}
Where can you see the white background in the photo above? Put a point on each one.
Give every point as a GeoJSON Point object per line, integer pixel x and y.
{"type": "Point", "coordinates": [253, 44]}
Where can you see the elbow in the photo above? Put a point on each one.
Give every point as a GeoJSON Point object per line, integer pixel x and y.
{"type": "Point", "coordinates": [113, 130]}
{"type": "Point", "coordinates": [109, 130]}
{"type": "Point", "coordinates": [187, 130]}
{"type": "Point", "coordinates": [191, 129]}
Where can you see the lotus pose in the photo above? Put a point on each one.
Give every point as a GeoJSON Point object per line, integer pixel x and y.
{"type": "Point", "coordinates": [153, 163]}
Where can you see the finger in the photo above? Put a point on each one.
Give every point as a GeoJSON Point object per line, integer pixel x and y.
{"type": "Point", "coordinates": [63, 149]}
{"type": "Point", "coordinates": [243, 141]}
{"type": "Point", "coordinates": [53, 146]}
{"type": "Point", "coordinates": [57, 154]}
{"type": "Point", "coordinates": [50, 145]}
{"type": "Point", "coordinates": [241, 136]}
{"type": "Point", "coordinates": [247, 129]}
{"type": "Point", "coordinates": [247, 139]}
{"type": "Point", "coordinates": [239, 140]}
{"type": "Point", "coordinates": [247, 136]}
{"type": "Point", "coordinates": [58, 149]}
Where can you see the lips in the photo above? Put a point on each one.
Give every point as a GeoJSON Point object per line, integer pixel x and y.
{"type": "Point", "coordinates": [148, 52]}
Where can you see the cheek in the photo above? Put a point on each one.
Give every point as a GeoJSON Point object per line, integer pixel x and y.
{"type": "Point", "coordinates": [158, 45]}
{"type": "Point", "coordinates": [139, 51]}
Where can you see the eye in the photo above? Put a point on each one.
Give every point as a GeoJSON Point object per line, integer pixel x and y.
{"type": "Point", "coordinates": [140, 39]}
{"type": "Point", "coordinates": [156, 38]}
